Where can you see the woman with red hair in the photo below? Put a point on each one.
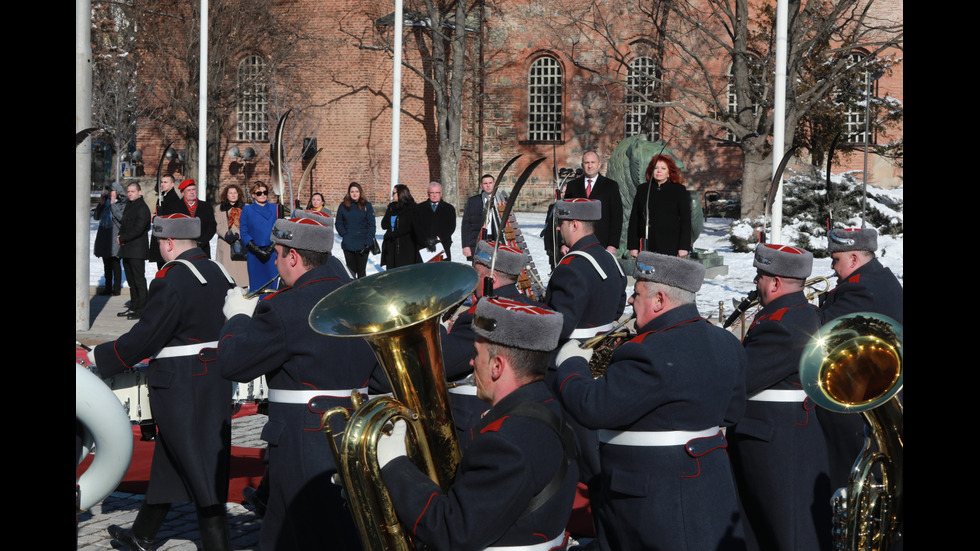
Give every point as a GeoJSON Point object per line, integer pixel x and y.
{"type": "Point", "coordinates": [661, 217]}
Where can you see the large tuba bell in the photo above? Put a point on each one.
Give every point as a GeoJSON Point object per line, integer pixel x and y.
{"type": "Point", "coordinates": [853, 364]}
{"type": "Point", "coordinates": [397, 312]}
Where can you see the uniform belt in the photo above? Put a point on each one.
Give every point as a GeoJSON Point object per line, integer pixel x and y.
{"type": "Point", "coordinates": [546, 546]}
{"type": "Point", "coordinates": [281, 396]}
{"type": "Point", "coordinates": [653, 438]}
{"type": "Point", "coordinates": [184, 350]}
{"type": "Point", "coordinates": [466, 390]}
{"type": "Point", "coordinates": [771, 395]}
{"type": "Point", "coordinates": [587, 332]}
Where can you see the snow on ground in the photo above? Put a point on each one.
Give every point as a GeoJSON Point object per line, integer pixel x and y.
{"type": "Point", "coordinates": [736, 284]}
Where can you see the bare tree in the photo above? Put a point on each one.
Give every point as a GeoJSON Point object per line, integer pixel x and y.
{"type": "Point", "coordinates": [440, 31]}
{"type": "Point", "coordinates": [121, 102]}
{"type": "Point", "coordinates": [702, 38]}
{"type": "Point", "coordinates": [169, 38]}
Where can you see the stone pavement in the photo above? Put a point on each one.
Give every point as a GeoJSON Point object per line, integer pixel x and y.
{"type": "Point", "coordinates": [179, 532]}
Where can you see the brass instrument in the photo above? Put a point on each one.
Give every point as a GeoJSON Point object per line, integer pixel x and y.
{"type": "Point", "coordinates": [397, 312]}
{"type": "Point", "coordinates": [262, 289]}
{"type": "Point", "coordinates": [603, 345]}
{"type": "Point", "coordinates": [853, 364]}
{"type": "Point", "coordinates": [752, 299]}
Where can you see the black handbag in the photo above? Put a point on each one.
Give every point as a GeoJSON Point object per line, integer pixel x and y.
{"type": "Point", "coordinates": [375, 248]}
{"type": "Point", "coordinates": [237, 250]}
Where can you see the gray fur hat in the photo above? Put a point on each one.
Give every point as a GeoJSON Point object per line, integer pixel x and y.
{"type": "Point", "coordinates": [510, 260]}
{"type": "Point", "coordinates": [578, 209]}
{"type": "Point", "coordinates": [310, 234]}
{"type": "Point", "coordinates": [669, 270]}
{"type": "Point", "coordinates": [852, 239]}
{"type": "Point", "coordinates": [517, 325]}
{"type": "Point", "coordinates": [177, 226]}
{"type": "Point", "coordinates": [783, 260]}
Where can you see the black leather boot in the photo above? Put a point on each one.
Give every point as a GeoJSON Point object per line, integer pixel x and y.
{"type": "Point", "coordinates": [145, 527]}
{"type": "Point", "coordinates": [213, 524]}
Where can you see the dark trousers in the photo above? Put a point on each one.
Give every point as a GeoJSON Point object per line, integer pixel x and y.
{"type": "Point", "coordinates": [134, 268]}
{"type": "Point", "coordinates": [356, 262]}
{"type": "Point", "coordinates": [113, 274]}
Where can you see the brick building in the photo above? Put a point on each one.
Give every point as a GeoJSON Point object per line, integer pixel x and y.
{"type": "Point", "coordinates": [540, 97]}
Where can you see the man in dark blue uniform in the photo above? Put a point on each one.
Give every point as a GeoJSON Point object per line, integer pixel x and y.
{"type": "Point", "coordinates": [666, 481]}
{"type": "Point", "coordinates": [863, 285]}
{"type": "Point", "coordinates": [587, 287]}
{"type": "Point", "coordinates": [308, 373]}
{"type": "Point", "coordinates": [778, 451]}
{"type": "Point", "coordinates": [191, 400]}
{"type": "Point", "coordinates": [457, 343]}
{"type": "Point", "coordinates": [515, 484]}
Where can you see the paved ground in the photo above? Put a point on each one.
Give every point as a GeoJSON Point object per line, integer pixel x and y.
{"type": "Point", "coordinates": [180, 530]}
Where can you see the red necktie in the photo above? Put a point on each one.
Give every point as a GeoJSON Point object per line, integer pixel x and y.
{"type": "Point", "coordinates": [588, 188]}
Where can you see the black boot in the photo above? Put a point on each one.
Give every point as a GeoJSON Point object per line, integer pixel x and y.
{"type": "Point", "coordinates": [145, 527]}
{"type": "Point", "coordinates": [213, 524]}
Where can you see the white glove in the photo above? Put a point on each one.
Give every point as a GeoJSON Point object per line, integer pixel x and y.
{"type": "Point", "coordinates": [236, 303]}
{"type": "Point", "coordinates": [91, 356]}
{"type": "Point", "coordinates": [392, 445]}
{"type": "Point", "coordinates": [571, 349]}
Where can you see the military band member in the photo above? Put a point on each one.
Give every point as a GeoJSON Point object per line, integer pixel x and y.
{"type": "Point", "coordinates": [587, 287]}
{"type": "Point", "coordinates": [515, 484]}
{"type": "Point", "coordinates": [863, 285]}
{"type": "Point", "coordinates": [457, 343]}
{"type": "Point", "coordinates": [666, 480]}
{"type": "Point", "coordinates": [179, 331]}
{"type": "Point", "coordinates": [307, 373]}
{"type": "Point", "coordinates": [777, 449]}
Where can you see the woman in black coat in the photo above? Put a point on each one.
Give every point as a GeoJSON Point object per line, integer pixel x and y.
{"type": "Point", "coordinates": [668, 204]}
{"type": "Point", "coordinates": [399, 248]}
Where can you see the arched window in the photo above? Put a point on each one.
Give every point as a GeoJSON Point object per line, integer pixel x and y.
{"type": "Point", "coordinates": [253, 100]}
{"type": "Point", "coordinates": [544, 97]}
{"type": "Point", "coordinates": [855, 114]}
{"type": "Point", "coordinates": [641, 118]}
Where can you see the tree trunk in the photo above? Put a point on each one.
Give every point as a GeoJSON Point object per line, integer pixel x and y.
{"type": "Point", "coordinates": [756, 174]}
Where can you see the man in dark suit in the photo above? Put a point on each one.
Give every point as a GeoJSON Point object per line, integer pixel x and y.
{"type": "Point", "coordinates": [134, 248]}
{"type": "Point", "coordinates": [474, 215]}
{"type": "Point", "coordinates": [435, 220]}
{"type": "Point", "coordinates": [592, 185]}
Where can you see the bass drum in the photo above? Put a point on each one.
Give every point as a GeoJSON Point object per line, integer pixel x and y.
{"type": "Point", "coordinates": [107, 431]}
{"type": "Point", "coordinates": [254, 391]}
{"type": "Point", "coordinates": [133, 392]}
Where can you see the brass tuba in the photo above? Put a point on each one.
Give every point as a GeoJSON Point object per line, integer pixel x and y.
{"type": "Point", "coordinates": [397, 312]}
{"type": "Point", "coordinates": [853, 364]}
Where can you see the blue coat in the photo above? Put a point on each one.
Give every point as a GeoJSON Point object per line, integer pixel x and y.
{"type": "Point", "coordinates": [191, 400]}
{"type": "Point", "coordinates": [356, 227]}
{"type": "Point", "coordinates": [680, 374]}
{"type": "Point", "coordinates": [580, 294]}
{"type": "Point", "coordinates": [778, 451]}
{"type": "Point", "coordinates": [510, 459]}
{"type": "Point", "coordinates": [256, 225]}
{"type": "Point", "coordinates": [305, 509]}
